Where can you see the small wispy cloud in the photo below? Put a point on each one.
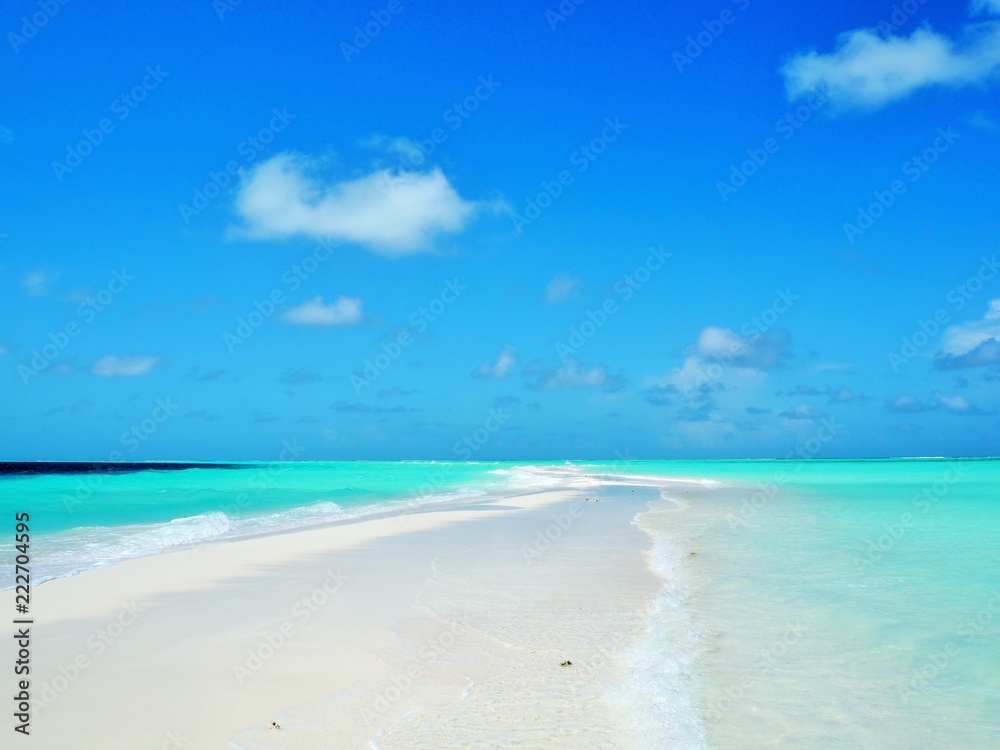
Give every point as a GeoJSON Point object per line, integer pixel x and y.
{"type": "Point", "coordinates": [758, 352]}
{"type": "Point", "coordinates": [395, 145]}
{"type": "Point", "coordinates": [830, 366]}
{"type": "Point", "coordinates": [76, 407]}
{"type": "Point", "coordinates": [499, 368]}
{"type": "Point", "coordinates": [206, 377]}
{"type": "Point", "coordinates": [802, 412]}
{"type": "Point", "coordinates": [396, 391]}
{"type": "Point", "coordinates": [37, 283]}
{"type": "Point", "coordinates": [662, 395]}
{"type": "Point", "coordinates": [562, 287]}
{"type": "Point", "coordinates": [845, 396]}
{"type": "Point", "coordinates": [983, 121]}
{"type": "Point", "coordinates": [959, 405]}
{"type": "Point", "coordinates": [203, 415]}
{"type": "Point", "coordinates": [343, 311]}
{"type": "Point", "coordinates": [905, 404]}
{"type": "Point", "coordinates": [299, 376]}
{"type": "Point", "coordinates": [345, 407]}
{"type": "Point", "coordinates": [124, 367]}
{"type": "Point", "coordinates": [574, 374]}
{"type": "Point", "coordinates": [834, 395]}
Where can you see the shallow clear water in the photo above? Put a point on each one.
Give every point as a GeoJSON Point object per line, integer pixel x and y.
{"type": "Point", "coordinates": [841, 603]}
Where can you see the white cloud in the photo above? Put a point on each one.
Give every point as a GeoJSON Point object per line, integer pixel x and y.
{"type": "Point", "coordinates": [399, 145]}
{"type": "Point", "coordinates": [574, 374]}
{"type": "Point", "coordinates": [37, 283]}
{"type": "Point", "coordinates": [802, 412]}
{"type": "Point", "coordinates": [562, 287]}
{"type": "Point", "coordinates": [952, 403]}
{"type": "Point", "coordinates": [501, 367]}
{"type": "Point", "coordinates": [830, 366]}
{"type": "Point", "coordinates": [343, 311]}
{"type": "Point", "coordinates": [905, 404]}
{"type": "Point", "coordinates": [972, 344]}
{"type": "Point", "coordinates": [845, 396]}
{"type": "Point", "coordinates": [867, 70]}
{"type": "Point", "coordinates": [727, 347]}
{"type": "Point", "coordinates": [391, 212]}
{"type": "Point", "coordinates": [979, 120]}
{"type": "Point", "coordinates": [125, 367]}
{"type": "Point", "coordinates": [720, 365]}
{"type": "Point", "coordinates": [985, 6]}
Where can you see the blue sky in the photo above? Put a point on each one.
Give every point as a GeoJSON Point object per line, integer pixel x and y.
{"type": "Point", "coordinates": [391, 230]}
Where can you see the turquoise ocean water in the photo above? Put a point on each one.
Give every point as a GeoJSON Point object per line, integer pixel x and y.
{"type": "Point", "coordinates": [85, 520]}
{"type": "Point", "coordinates": [807, 604]}
{"type": "Point", "coordinates": [832, 604]}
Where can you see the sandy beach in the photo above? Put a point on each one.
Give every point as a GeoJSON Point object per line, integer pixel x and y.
{"type": "Point", "coordinates": [446, 627]}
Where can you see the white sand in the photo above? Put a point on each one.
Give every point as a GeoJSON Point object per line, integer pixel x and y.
{"type": "Point", "coordinates": [341, 633]}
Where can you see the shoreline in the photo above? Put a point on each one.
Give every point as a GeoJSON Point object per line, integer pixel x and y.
{"type": "Point", "coordinates": [298, 626]}
{"type": "Point", "coordinates": [397, 507]}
